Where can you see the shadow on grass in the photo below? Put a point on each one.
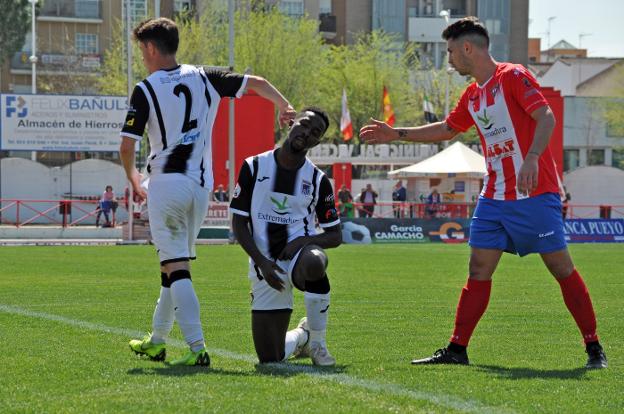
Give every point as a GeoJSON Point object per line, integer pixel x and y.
{"type": "Point", "coordinates": [281, 369]}
{"type": "Point", "coordinates": [285, 369]}
{"type": "Point", "coordinates": [523, 373]}
{"type": "Point", "coordinates": [182, 371]}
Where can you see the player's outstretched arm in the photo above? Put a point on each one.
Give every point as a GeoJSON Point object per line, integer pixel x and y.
{"type": "Point", "coordinates": [379, 132]}
{"type": "Point", "coordinates": [331, 237]}
{"type": "Point", "coordinates": [265, 89]}
{"type": "Point", "coordinates": [268, 268]}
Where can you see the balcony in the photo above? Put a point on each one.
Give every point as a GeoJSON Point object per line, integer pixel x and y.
{"type": "Point", "coordinates": [71, 9]}
{"type": "Point", "coordinates": [57, 62]}
{"type": "Point", "coordinates": [327, 26]}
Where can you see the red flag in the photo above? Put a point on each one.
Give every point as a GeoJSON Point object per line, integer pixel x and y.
{"type": "Point", "coordinates": [346, 127]}
{"type": "Point", "coordinates": [388, 112]}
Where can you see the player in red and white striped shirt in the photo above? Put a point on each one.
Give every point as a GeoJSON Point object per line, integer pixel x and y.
{"type": "Point", "coordinates": [519, 210]}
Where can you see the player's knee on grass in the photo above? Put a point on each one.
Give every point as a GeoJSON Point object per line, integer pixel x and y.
{"type": "Point", "coordinates": [311, 266]}
{"type": "Point", "coordinates": [269, 329]}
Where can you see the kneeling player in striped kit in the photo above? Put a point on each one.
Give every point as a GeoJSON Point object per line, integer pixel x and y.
{"type": "Point", "coordinates": [278, 195]}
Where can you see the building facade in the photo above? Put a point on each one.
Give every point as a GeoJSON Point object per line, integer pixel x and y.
{"type": "Point", "coordinates": [71, 37]}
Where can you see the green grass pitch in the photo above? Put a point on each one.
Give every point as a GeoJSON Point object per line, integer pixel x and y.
{"type": "Point", "coordinates": [67, 313]}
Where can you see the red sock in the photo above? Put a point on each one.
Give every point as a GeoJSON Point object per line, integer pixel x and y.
{"type": "Point", "coordinates": [472, 304]}
{"type": "Point", "coordinates": [576, 298]}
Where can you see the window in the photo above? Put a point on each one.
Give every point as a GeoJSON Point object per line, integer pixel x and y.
{"type": "Point", "coordinates": [412, 12]}
{"type": "Point", "coordinates": [570, 159]}
{"type": "Point", "coordinates": [292, 8]}
{"type": "Point", "coordinates": [617, 159]}
{"type": "Point", "coordinates": [138, 11]}
{"type": "Point", "coordinates": [86, 43]}
{"type": "Point", "coordinates": [182, 5]}
{"type": "Point", "coordinates": [89, 9]}
{"type": "Point", "coordinates": [596, 157]}
{"type": "Point", "coordinates": [325, 7]}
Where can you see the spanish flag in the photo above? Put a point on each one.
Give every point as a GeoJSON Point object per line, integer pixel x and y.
{"type": "Point", "coordinates": [346, 127]}
{"type": "Point", "coordinates": [388, 113]}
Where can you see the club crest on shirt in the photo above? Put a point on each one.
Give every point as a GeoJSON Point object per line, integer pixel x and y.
{"type": "Point", "coordinates": [495, 90]}
{"type": "Point", "coordinates": [306, 187]}
{"type": "Point", "coordinates": [237, 191]}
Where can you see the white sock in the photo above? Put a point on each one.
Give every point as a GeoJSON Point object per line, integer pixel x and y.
{"type": "Point", "coordinates": [295, 338]}
{"type": "Point", "coordinates": [317, 308]}
{"type": "Point", "coordinates": [186, 309]}
{"type": "Point", "coordinates": [162, 321]}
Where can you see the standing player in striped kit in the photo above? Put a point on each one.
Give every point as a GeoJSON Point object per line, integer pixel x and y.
{"type": "Point", "coordinates": [178, 104]}
{"type": "Point", "coordinates": [519, 209]}
{"type": "Point", "coordinates": [278, 196]}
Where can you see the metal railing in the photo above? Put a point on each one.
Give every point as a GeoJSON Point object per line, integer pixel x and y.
{"type": "Point", "coordinates": [64, 213]}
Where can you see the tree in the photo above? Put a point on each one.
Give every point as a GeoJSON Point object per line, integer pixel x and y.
{"type": "Point", "coordinates": [113, 79]}
{"type": "Point", "coordinates": [364, 68]}
{"type": "Point", "coordinates": [14, 20]}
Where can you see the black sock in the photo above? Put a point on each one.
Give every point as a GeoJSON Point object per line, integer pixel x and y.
{"type": "Point", "coordinates": [458, 349]}
{"type": "Point", "coordinates": [594, 344]}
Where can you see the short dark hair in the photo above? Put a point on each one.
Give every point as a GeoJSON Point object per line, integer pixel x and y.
{"type": "Point", "coordinates": [162, 32]}
{"type": "Point", "coordinates": [319, 112]}
{"type": "Point", "coordinates": [468, 26]}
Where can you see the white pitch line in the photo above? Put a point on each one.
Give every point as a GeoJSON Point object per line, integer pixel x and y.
{"type": "Point", "coordinates": [343, 379]}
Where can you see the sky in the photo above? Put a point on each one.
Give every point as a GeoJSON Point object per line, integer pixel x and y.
{"type": "Point", "coordinates": [602, 19]}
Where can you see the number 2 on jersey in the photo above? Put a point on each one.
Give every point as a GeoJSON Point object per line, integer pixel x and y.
{"type": "Point", "coordinates": [188, 123]}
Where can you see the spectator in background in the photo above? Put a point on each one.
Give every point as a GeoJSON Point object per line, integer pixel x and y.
{"type": "Point", "coordinates": [565, 200]}
{"type": "Point", "coordinates": [220, 194]}
{"type": "Point", "coordinates": [433, 203]}
{"type": "Point", "coordinates": [345, 202]}
{"type": "Point", "coordinates": [368, 198]}
{"type": "Point", "coordinates": [105, 205]}
{"type": "Point", "coordinates": [399, 196]}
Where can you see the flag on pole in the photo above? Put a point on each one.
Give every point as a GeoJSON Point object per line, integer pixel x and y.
{"type": "Point", "coordinates": [346, 127]}
{"type": "Point", "coordinates": [430, 115]}
{"type": "Point", "coordinates": [388, 113]}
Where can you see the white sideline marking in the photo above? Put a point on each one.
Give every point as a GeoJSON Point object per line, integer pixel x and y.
{"type": "Point", "coordinates": [343, 379]}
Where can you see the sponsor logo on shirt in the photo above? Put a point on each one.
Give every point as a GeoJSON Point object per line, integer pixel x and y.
{"type": "Point", "coordinates": [277, 219]}
{"type": "Point", "coordinates": [501, 149]}
{"type": "Point", "coordinates": [189, 138]}
{"type": "Point", "coordinates": [329, 198]}
{"type": "Point", "coordinates": [330, 213]}
{"type": "Point", "coordinates": [281, 207]}
{"type": "Point", "coordinates": [485, 121]}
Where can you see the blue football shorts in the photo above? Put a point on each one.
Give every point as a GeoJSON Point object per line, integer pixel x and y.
{"type": "Point", "coordinates": [530, 225]}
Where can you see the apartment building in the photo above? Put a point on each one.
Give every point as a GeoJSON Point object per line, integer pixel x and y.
{"type": "Point", "coordinates": [422, 21]}
{"type": "Point", "coordinates": [71, 37]}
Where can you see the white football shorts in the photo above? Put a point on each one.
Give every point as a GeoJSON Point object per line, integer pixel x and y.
{"type": "Point", "coordinates": [264, 297]}
{"type": "Point", "coordinates": [177, 207]}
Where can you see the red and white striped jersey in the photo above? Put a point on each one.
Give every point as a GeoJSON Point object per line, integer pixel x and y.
{"type": "Point", "coordinates": [501, 110]}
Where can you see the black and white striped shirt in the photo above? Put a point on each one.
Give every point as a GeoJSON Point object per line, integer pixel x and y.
{"type": "Point", "coordinates": [179, 107]}
{"type": "Point", "coordinates": [282, 204]}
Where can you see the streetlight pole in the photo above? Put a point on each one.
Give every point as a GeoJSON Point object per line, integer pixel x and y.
{"type": "Point", "coordinates": [447, 16]}
{"type": "Point", "coordinates": [231, 143]}
{"type": "Point", "coordinates": [130, 88]}
{"type": "Point", "coordinates": [33, 61]}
